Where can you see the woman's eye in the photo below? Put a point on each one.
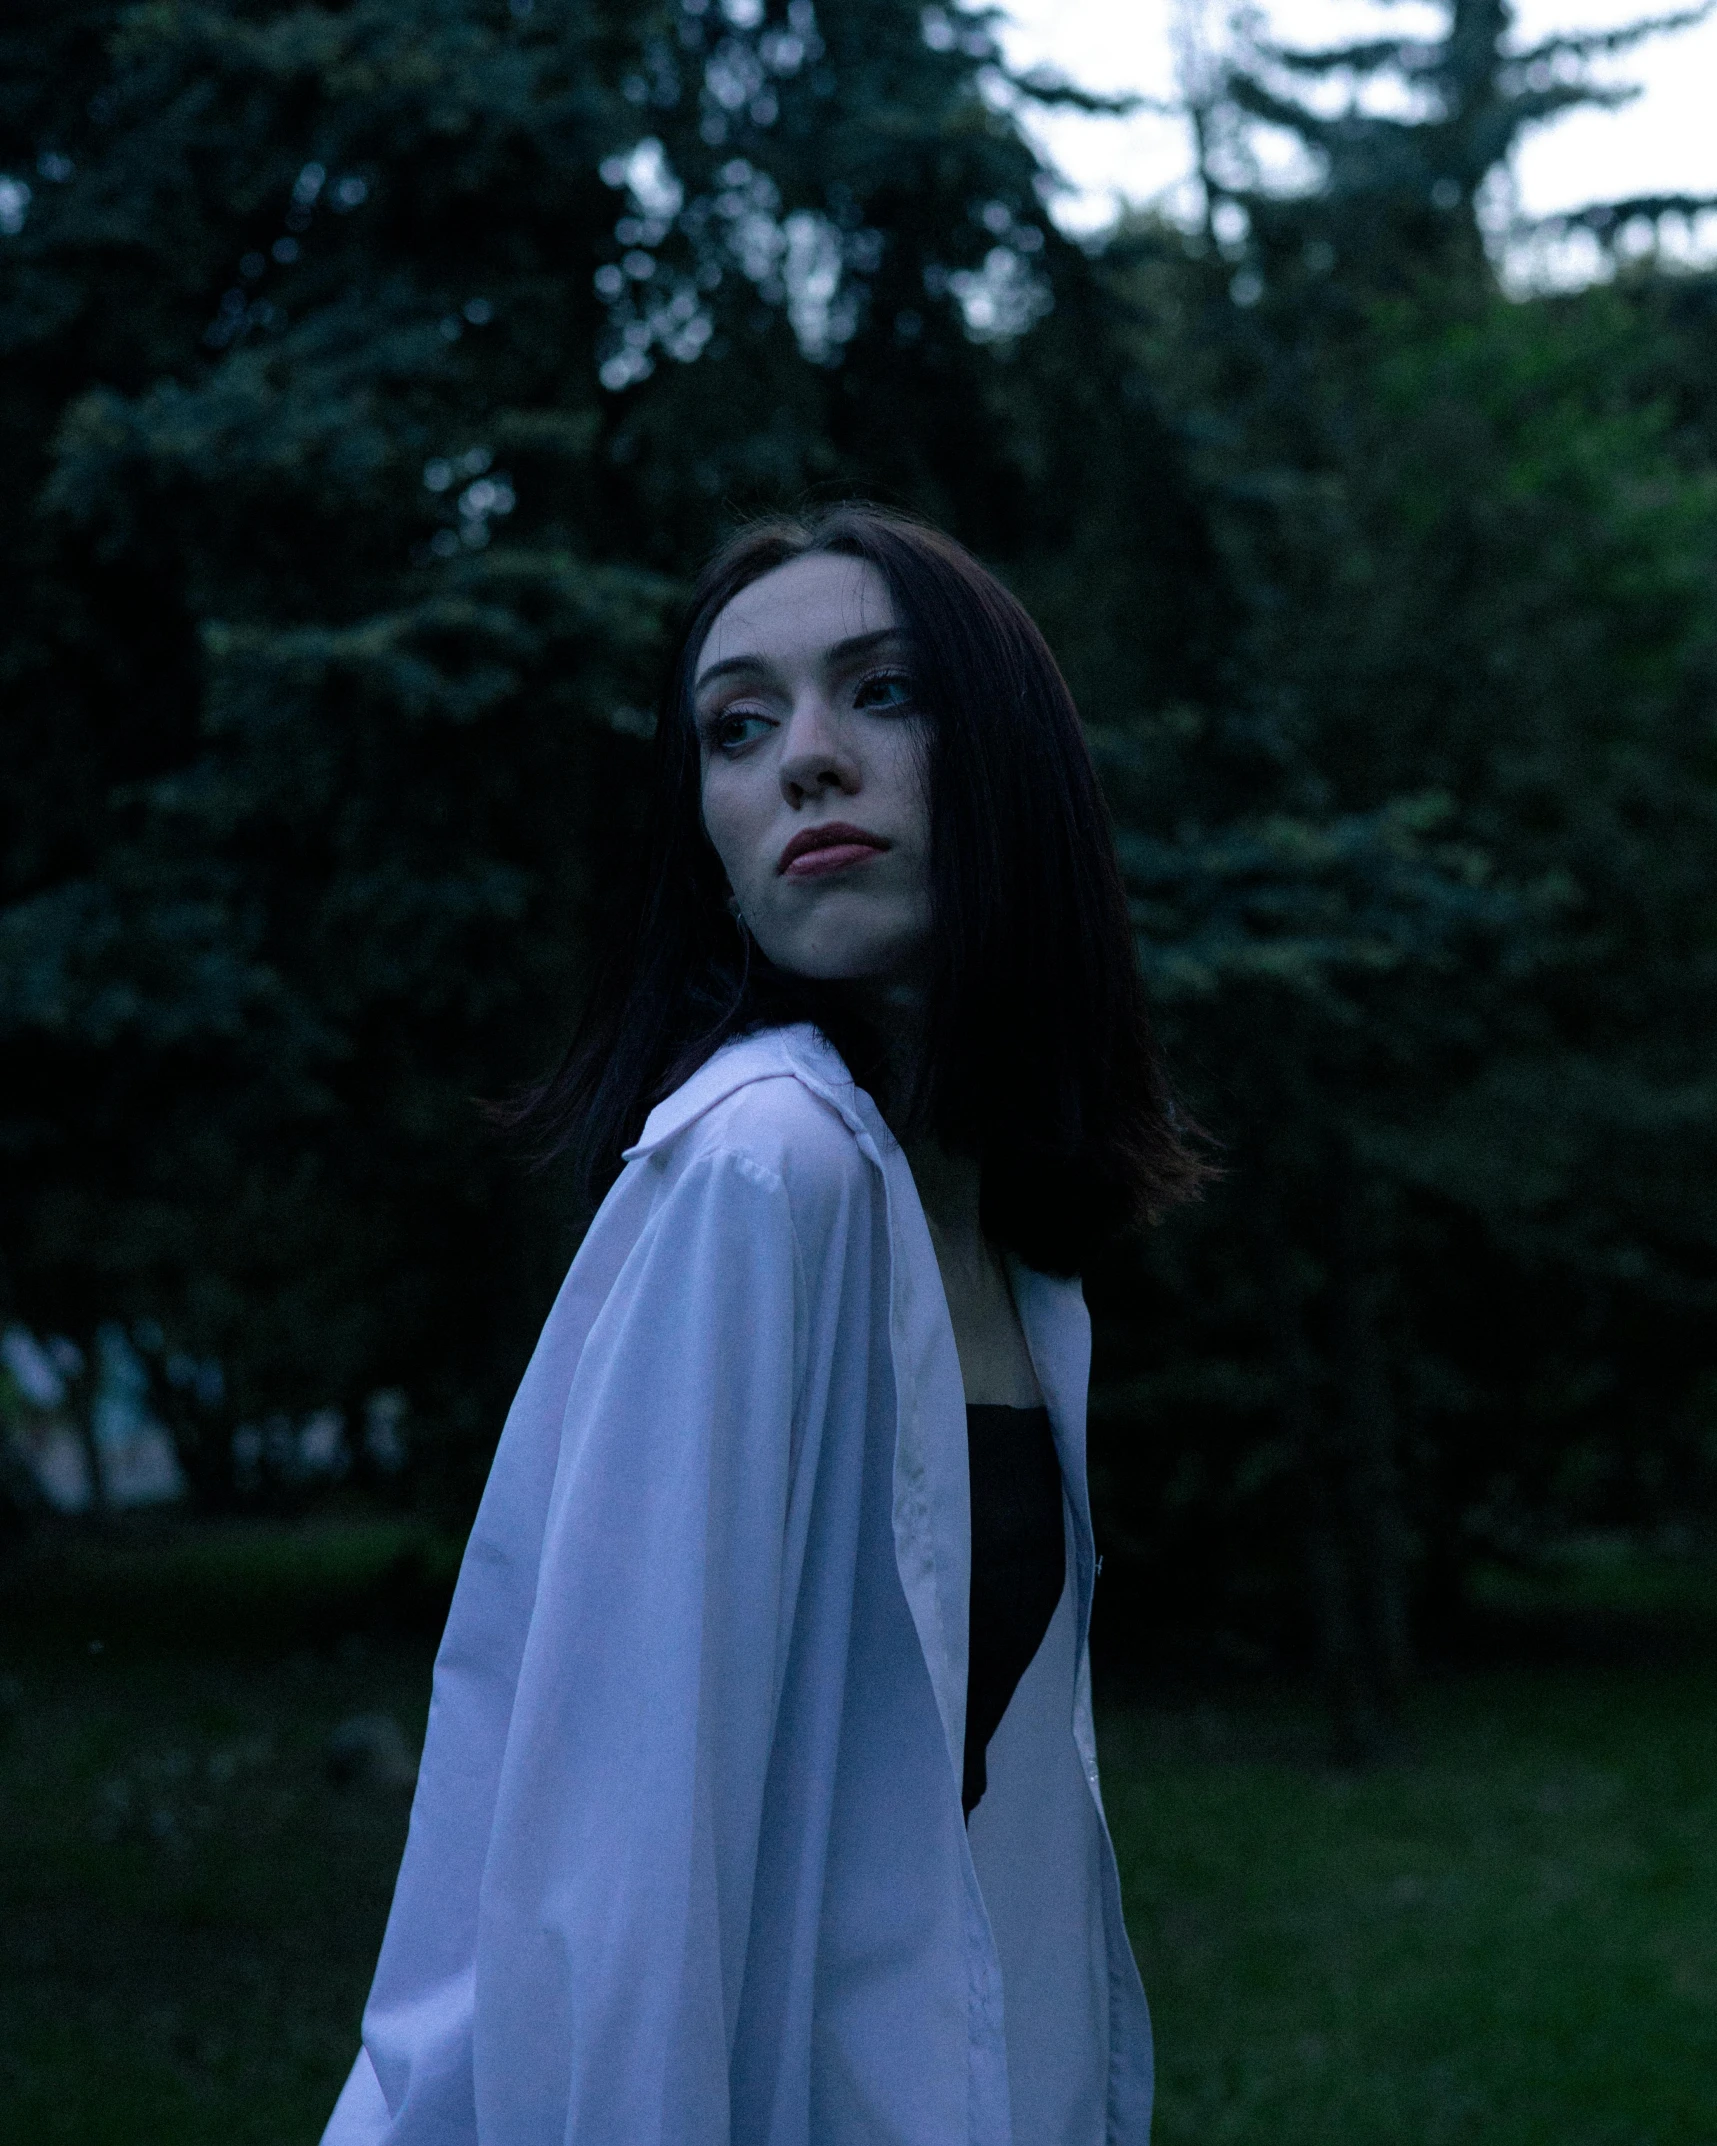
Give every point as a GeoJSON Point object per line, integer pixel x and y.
{"type": "Point", "coordinates": [887, 692]}
{"type": "Point", "coordinates": [736, 727]}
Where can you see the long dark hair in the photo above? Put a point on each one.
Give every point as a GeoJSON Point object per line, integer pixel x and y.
{"type": "Point", "coordinates": [1039, 1054]}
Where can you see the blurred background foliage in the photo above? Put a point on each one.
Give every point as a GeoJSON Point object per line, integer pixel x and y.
{"type": "Point", "coordinates": [373, 378]}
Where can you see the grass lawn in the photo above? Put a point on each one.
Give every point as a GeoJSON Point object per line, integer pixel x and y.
{"type": "Point", "coordinates": [1510, 1937]}
{"type": "Point", "coordinates": [1510, 1940]}
{"type": "Point", "coordinates": [189, 1908]}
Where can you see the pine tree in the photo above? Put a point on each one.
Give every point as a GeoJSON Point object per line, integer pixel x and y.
{"type": "Point", "coordinates": [1419, 878]}
{"type": "Point", "coordinates": [375, 374]}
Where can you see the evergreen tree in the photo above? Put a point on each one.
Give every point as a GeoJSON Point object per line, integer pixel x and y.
{"type": "Point", "coordinates": [1427, 877]}
{"type": "Point", "coordinates": [374, 374]}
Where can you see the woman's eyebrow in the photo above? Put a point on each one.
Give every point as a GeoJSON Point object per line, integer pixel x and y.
{"type": "Point", "coordinates": [861, 645]}
{"type": "Point", "coordinates": [851, 650]}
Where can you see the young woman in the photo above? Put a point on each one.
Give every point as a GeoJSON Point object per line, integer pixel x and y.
{"type": "Point", "coordinates": [759, 1801]}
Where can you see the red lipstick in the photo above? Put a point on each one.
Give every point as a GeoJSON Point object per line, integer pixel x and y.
{"type": "Point", "coordinates": [830, 847]}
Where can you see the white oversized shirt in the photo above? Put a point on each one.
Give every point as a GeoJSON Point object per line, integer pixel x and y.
{"type": "Point", "coordinates": [687, 1864]}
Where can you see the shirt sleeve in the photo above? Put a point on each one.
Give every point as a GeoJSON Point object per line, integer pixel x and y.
{"type": "Point", "coordinates": [602, 1977]}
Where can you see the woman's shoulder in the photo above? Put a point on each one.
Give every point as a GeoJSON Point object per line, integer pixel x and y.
{"type": "Point", "coordinates": [778, 1104]}
{"type": "Point", "coordinates": [783, 1126]}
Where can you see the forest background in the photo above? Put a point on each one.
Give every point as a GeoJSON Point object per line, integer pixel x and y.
{"type": "Point", "coordinates": [374, 377]}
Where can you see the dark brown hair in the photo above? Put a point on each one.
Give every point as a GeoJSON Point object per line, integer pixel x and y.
{"type": "Point", "coordinates": [1039, 1058]}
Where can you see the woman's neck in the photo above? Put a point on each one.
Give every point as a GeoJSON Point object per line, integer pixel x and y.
{"type": "Point", "coordinates": [948, 1183]}
{"type": "Point", "coordinates": [896, 1015]}
{"type": "Point", "coordinates": [948, 1186]}
{"type": "Point", "coordinates": [995, 1365]}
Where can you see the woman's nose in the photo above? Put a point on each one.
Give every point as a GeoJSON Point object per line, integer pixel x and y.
{"type": "Point", "coordinates": [815, 756]}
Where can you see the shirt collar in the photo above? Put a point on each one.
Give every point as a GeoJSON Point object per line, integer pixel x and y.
{"type": "Point", "coordinates": [801, 1052]}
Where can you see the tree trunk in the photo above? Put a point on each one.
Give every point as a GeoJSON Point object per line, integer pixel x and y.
{"type": "Point", "coordinates": [1306, 1422]}
{"type": "Point", "coordinates": [82, 1387]}
{"type": "Point", "coordinates": [1375, 1524]}
{"type": "Point", "coordinates": [1340, 1420]}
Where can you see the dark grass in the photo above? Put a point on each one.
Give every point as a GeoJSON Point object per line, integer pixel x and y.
{"type": "Point", "coordinates": [190, 1907]}
{"type": "Point", "coordinates": [1509, 1939]}
{"type": "Point", "coordinates": [1509, 1936]}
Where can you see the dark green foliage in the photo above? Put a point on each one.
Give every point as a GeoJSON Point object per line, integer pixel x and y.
{"type": "Point", "coordinates": [372, 378]}
{"type": "Point", "coordinates": [342, 578]}
{"type": "Point", "coordinates": [1438, 920]}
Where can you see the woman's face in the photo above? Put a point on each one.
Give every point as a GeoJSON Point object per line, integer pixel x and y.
{"type": "Point", "coordinates": [814, 785]}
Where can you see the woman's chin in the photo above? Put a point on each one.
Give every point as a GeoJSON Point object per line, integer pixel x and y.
{"type": "Point", "coordinates": [870, 966]}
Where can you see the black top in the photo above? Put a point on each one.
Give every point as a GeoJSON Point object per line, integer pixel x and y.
{"type": "Point", "coordinates": [1019, 1561]}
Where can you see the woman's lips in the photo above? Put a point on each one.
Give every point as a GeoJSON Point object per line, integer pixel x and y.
{"type": "Point", "coordinates": [815, 862]}
{"type": "Point", "coordinates": [828, 849]}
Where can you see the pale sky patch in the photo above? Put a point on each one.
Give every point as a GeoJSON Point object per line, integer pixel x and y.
{"type": "Point", "coordinates": [1664, 142]}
